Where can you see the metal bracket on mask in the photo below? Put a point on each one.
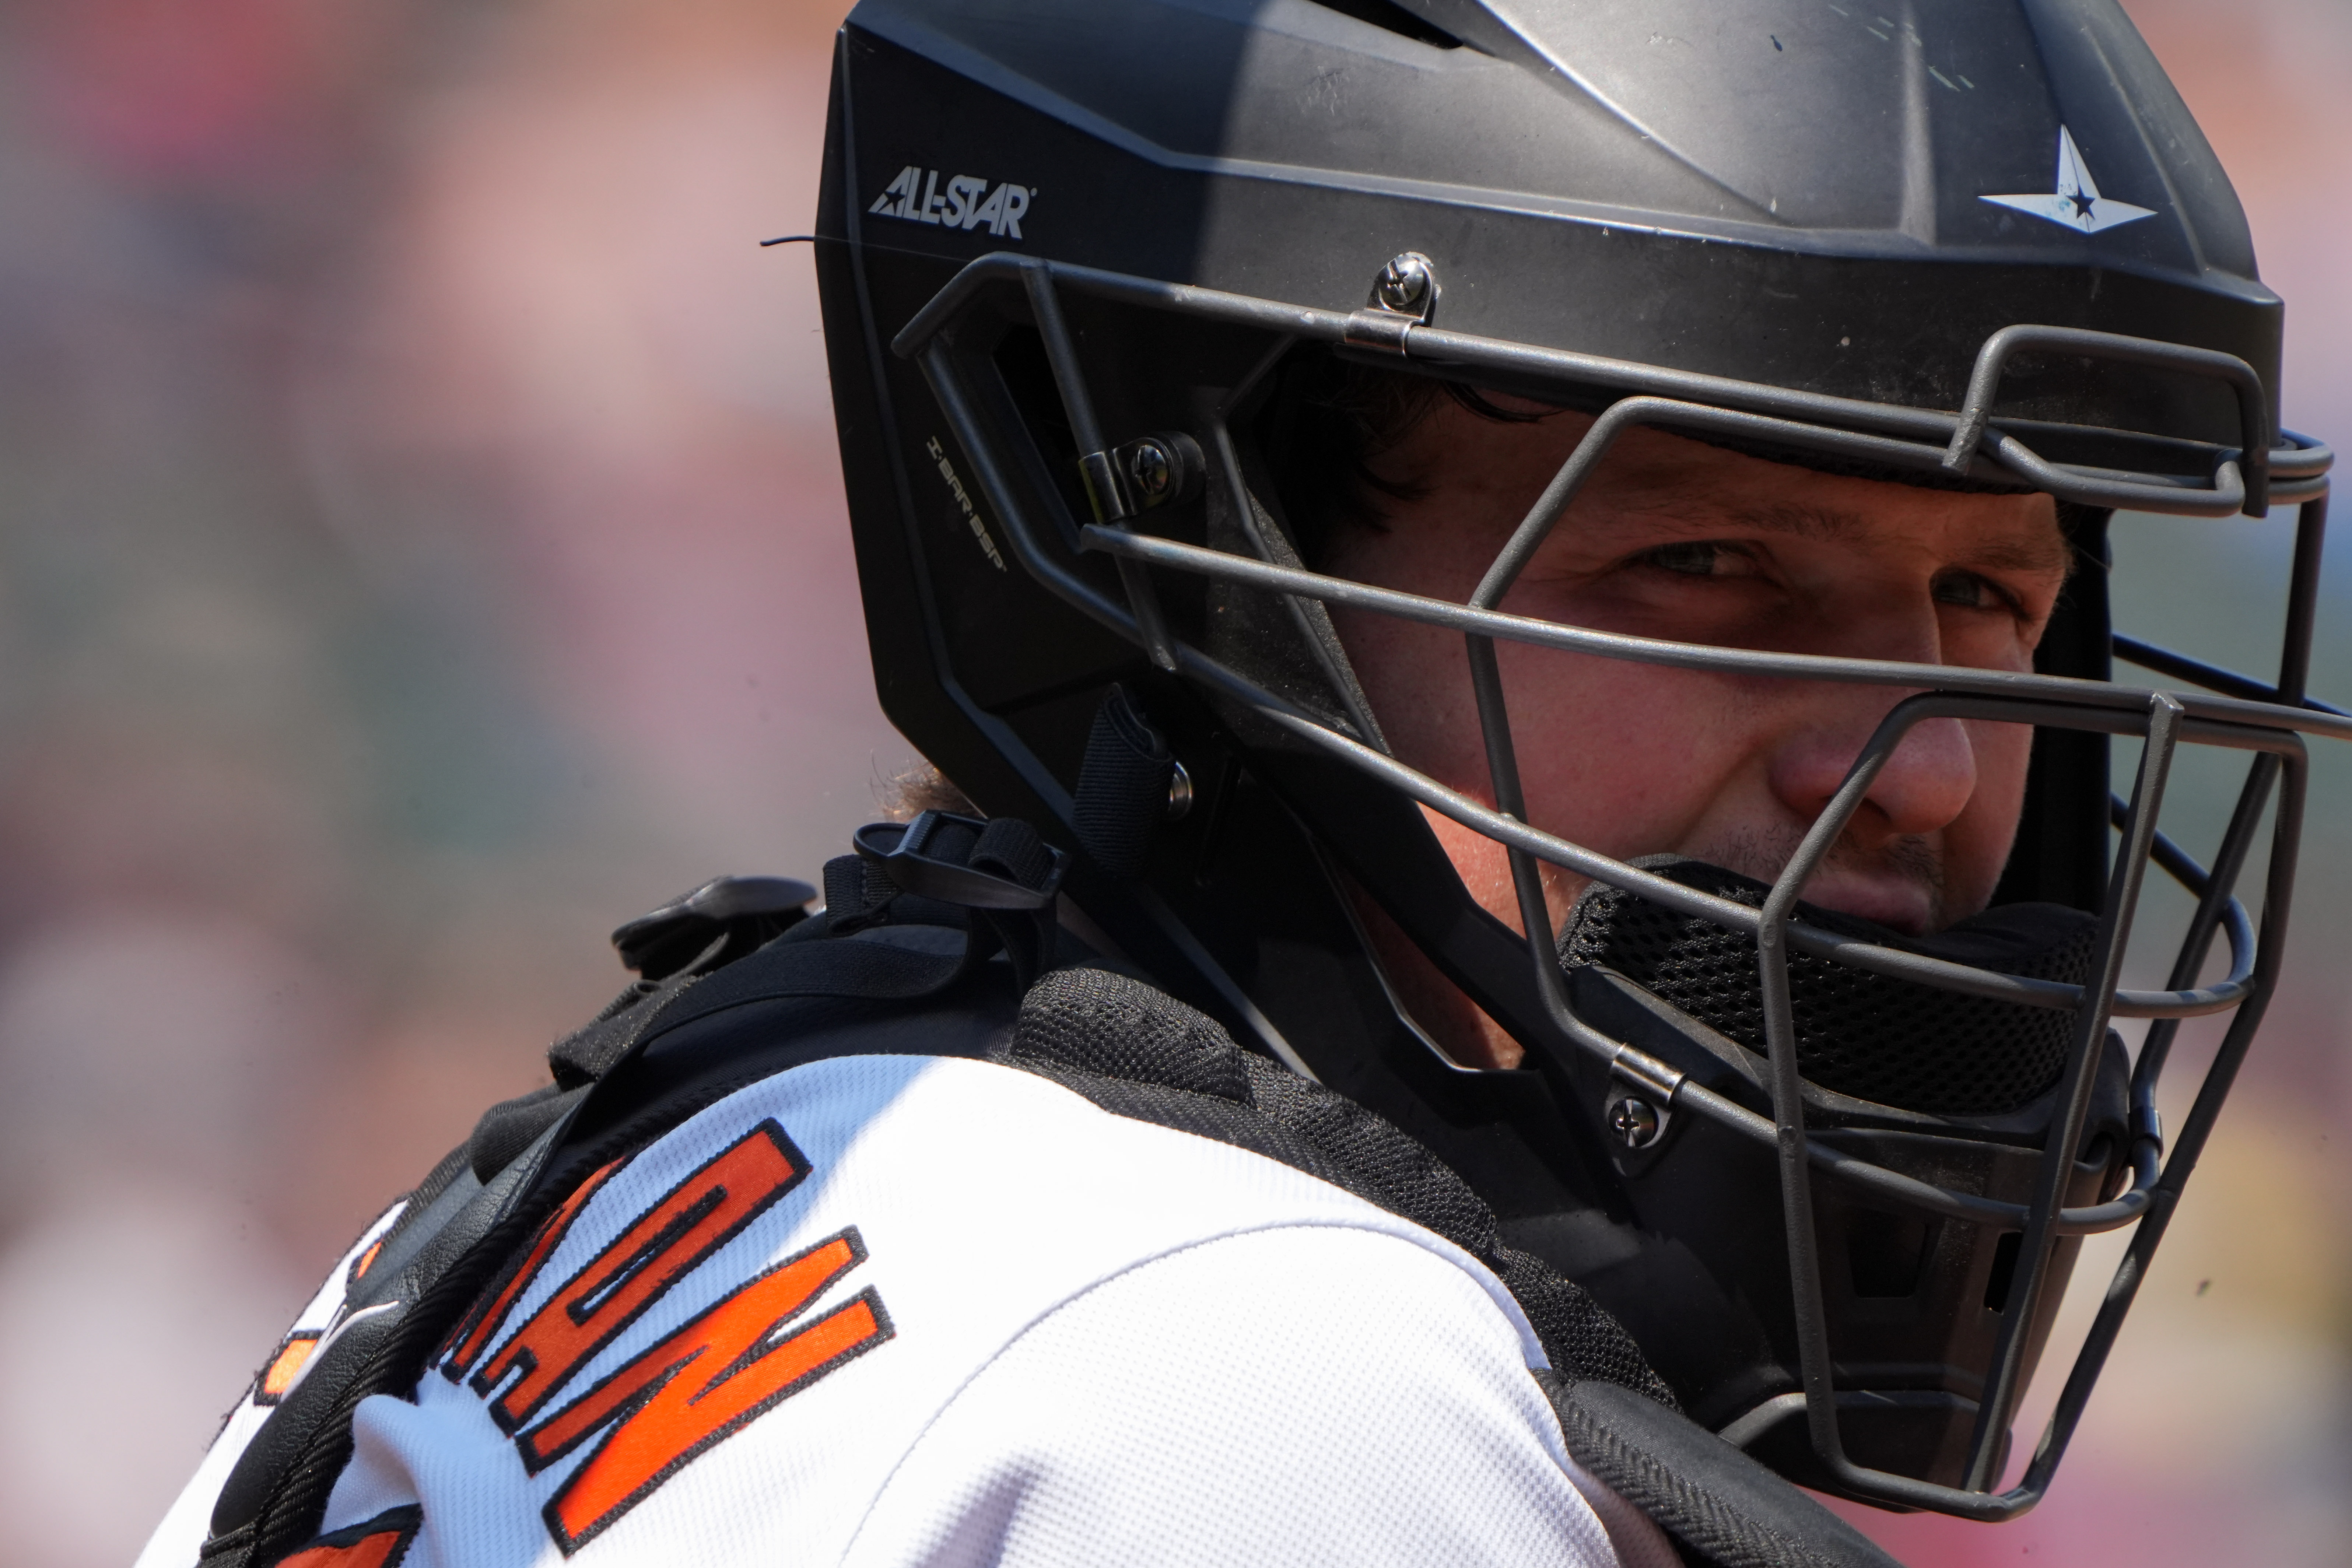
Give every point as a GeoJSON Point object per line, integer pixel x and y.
{"type": "Point", "coordinates": [1638, 1117]}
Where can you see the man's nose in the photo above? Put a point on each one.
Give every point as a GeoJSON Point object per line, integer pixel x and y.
{"type": "Point", "coordinates": [1931, 776]}
{"type": "Point", "coordinates": [1923, 787]}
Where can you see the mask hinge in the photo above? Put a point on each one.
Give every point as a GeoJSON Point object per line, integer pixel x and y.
{"type": "Point", "coordinates": [1163, 468]}
{"type": "Point", "coordinates": [1641, 1096]}
{"type": "Point", "coordinates": [1404, 296]}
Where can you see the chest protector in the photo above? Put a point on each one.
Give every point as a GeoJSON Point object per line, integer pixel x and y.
{"type": "Point", "coordinates": [938, 940]}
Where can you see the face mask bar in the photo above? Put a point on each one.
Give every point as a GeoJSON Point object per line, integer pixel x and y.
{"type": "Point", "coordinates": [2240, 713]}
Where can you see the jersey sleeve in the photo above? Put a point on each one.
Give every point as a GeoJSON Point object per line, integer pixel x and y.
{"type": "Point", "coordinates": [1306, 1395]}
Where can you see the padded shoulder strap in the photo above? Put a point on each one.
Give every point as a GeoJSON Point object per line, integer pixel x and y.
{"type": "Point", "coordinates": [1716, 1501]}
{"type": "Point", "coordinates": [1137, 1052]}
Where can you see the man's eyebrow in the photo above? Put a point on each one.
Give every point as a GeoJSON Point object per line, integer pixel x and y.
{"type": "Point", "coordinates": [2043, 551]}
{"type": "Point", "coordinates": [1802, 521]}
{"type": "Point", "coordinates": [2037, 549]}
{"type": "Point", "coordinates": [1770, 517]}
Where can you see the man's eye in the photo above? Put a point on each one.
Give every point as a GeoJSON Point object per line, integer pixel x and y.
{"type": "Point", "coordinates": [1969, 592]}
{"type": "Point", "coordinates": [1695, 558]}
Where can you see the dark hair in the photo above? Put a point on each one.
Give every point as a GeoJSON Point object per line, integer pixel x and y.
{"type": "Point", "coordinates": [1329, 418]}
{"type": "Point", "coordinates": [1326, 421]}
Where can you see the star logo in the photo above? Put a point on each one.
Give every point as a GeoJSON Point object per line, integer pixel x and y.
{"type": "Point", "coordinates": [2076, 203]}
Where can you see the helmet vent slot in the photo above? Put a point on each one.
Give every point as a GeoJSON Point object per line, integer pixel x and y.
{"type": "Point", "coordinates": [1885, 1252]}
{"type": "Point", "coordinates": [1392, 17]}
{"type": "Point", "coordinates": [2004, 1270]}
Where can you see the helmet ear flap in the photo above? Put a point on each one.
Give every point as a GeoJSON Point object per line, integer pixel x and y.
{"type": "Point", "coordinates": [2060, 855]}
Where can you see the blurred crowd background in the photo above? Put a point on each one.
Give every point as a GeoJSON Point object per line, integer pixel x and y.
{"type": "Point", "coordinates": [422, 548]}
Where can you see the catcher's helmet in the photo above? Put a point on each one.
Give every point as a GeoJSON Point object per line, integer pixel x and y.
{"type": "Point", "coordinates": [1086, 264]}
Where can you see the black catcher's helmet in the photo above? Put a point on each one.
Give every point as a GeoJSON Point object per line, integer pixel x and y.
{"type": "Point", "coordinates": [1077, 259]}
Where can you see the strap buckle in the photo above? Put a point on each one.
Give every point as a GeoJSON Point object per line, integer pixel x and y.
{"type": "Point", "coordinates": [746, 911]}
{"type": "Point", "coordinates": [910, 856]}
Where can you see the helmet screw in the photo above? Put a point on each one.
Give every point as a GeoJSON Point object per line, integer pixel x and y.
{"type": "Point", "coordinates": [1180, 793]}
{"type": "Point", "coordinates": [1636, 1121]}
{"type": "Point", "coordinates": [1151, 470]}
{"type": "Point", "coordinates": [1407, 285]}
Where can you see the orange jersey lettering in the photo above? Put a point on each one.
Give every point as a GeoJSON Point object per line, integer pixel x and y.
{"type": "Point", "coordinates": [696, 1218]}
{"type": "Point", "coordinates": [700, 1385]}
{"type": "Point", "coordinates": [479, 1326]}
{"type": "Point", "coordinates": [380, 1542]}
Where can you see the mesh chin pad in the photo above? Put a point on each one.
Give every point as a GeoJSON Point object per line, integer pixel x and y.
{"type": "Point", "coordinates": [1890, 1041]}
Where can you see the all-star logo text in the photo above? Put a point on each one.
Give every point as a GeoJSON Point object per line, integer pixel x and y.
{"type": "Point", "coordinates": [918, 196]}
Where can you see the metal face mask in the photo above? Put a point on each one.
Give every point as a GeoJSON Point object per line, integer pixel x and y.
{"type": "Point", "coordinates": [1833, 1179]}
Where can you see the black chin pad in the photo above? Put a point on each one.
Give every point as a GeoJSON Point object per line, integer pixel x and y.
{"type": "Point", "coordinates": [1890, 1041]}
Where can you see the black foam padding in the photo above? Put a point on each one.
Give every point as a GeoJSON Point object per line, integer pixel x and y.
{"type": "Point", "coordinates": [280, 1446]}
{"type": "Point", "coordinates": [1894, 1041]}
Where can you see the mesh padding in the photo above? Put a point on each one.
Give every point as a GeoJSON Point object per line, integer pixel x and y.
{"type": "Point", "coordinates": [1719, 1505]}
{"type": "Point", "coordinates": [1138, 1052]}
{"type": "Point", "coordinates": [1103, 1023]}
{"type": "Point", "coordinates": [1890, 1041]}
{"type": "Point", "coordinates": [1382, 1163]}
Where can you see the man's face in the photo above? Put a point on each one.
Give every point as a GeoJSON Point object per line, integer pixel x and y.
{"type": "Point", "coordinates": [1672, 538]}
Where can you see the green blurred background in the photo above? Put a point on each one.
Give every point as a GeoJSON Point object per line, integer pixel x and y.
{"type": "Point", "coordinates": [422, 548]}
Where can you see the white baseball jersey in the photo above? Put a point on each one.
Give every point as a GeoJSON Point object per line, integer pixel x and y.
{"type": "Point", "coordinates": [883, 1311]}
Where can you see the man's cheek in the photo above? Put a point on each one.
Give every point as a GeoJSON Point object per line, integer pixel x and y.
{"type": "Point", "coordinates": [1977, 845]}
{"type": "Point", "coordinates": [1979, 640]}
{"type": "Point", "coordinates": [1631, 769]}
{"type": "Point", "coordinates": [2004, 754]}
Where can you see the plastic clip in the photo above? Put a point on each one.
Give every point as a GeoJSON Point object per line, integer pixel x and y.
{"type": "Point", "coordinates": [905, 854]}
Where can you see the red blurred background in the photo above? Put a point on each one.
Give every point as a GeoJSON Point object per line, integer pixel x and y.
{"type": "Point", "coordinates": [422, 548]}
